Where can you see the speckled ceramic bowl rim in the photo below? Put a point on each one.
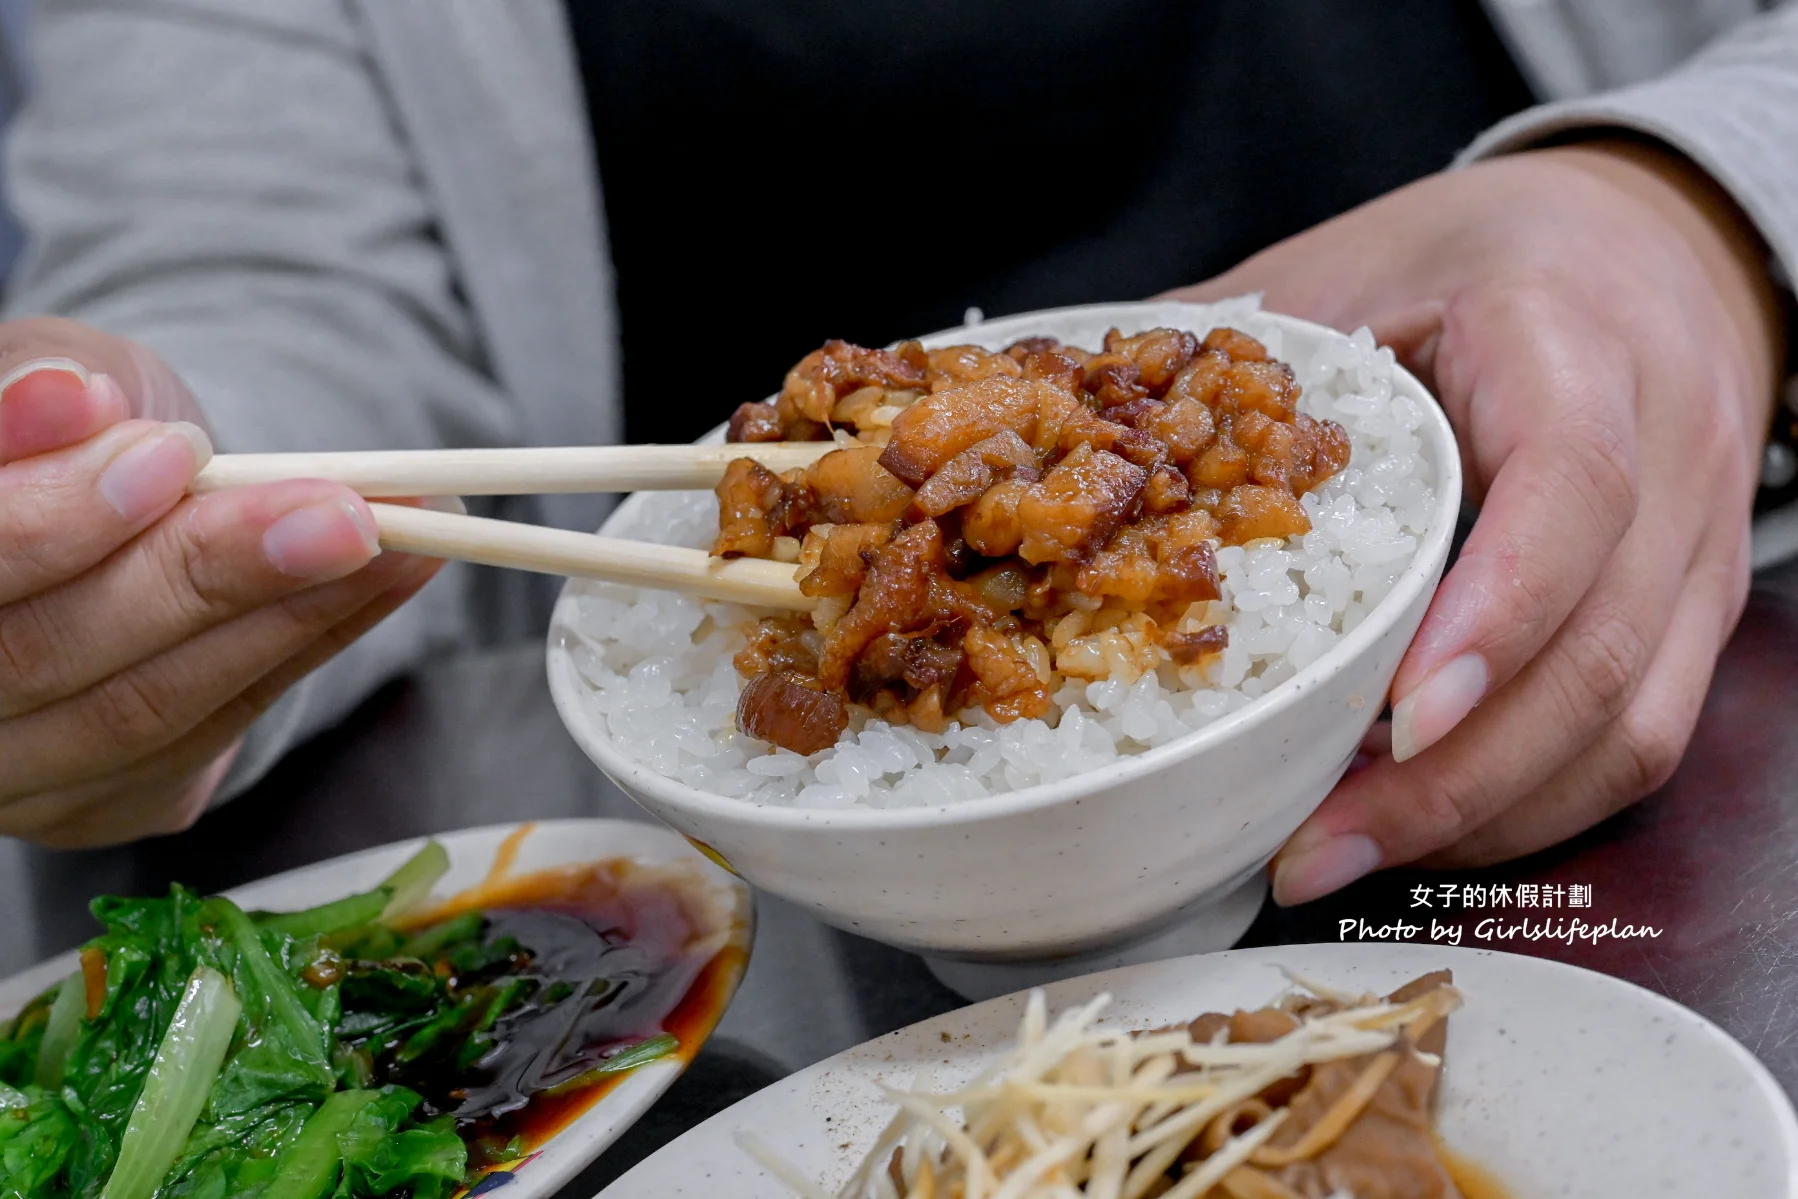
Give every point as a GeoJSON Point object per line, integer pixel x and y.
{"type": "Point", "coordinates": [1417, 577]}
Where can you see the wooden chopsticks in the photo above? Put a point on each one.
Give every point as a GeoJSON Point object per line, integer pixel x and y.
{"type": "Point", "coordinates": [753, 581]}
{"type": "Point", "coordinates": [564, 469]}
{"type": "Point", "coordinates": [395, 473]}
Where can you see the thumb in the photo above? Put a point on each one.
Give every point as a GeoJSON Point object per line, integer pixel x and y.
{"type": "Point", "coordinates": [1312, 278]}
{"type": "Point", "coordinates": [1312, 275]}
{"type": "Point", "coordinates": [1380, 263]}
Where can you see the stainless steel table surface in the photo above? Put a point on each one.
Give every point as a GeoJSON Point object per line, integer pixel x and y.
{"type": "Point", "coordinates": [1711, 862]}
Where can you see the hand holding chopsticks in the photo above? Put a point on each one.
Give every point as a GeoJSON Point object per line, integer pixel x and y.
{"type": "Point", "coordinates": [396, 473]}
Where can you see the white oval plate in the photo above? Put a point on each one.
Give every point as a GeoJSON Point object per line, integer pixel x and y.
{"type": "Point", "coordinates": [1559, 1081]}
{"type": "Point", "coordinates": [471, 852]}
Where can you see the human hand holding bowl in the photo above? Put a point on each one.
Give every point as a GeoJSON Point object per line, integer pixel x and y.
{"type": "Point", "coordinates": [1597, 323]}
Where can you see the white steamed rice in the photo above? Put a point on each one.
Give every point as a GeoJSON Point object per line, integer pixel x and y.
{"type": "Point", "coordinates": [669, 701]}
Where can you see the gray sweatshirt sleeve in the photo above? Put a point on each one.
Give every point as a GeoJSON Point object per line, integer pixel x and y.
{"type": "Point", "coordinates": [1732, 109]}
{"type": "Point", "coordinates": [225, 182]}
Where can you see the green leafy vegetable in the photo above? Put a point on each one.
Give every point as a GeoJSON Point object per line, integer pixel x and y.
{"type": "Point", "coordinates": [150, 950]}
{"type": "Point", "coordinates": [286, 1057]}
{"type": "Point", "coordinates": [21, 1040]}
{"type": "Point", "coordinates": [310, 1167]}
{"type": "Point", "coordinates": [186, 1065]}
{"type": "Point", "coordinates": [36, 1135]}
{"type": "Point", "coordinates": [235, 1156]}
{"type": "Point", "coordinates": [378, 1157]}
{"type": "Point", "coordinates": [298, 1055]}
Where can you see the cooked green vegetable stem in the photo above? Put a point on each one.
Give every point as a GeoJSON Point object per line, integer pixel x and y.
{"type": "Point", "coordinates": [428, 943]}
{"type": "Point", "coordinates": [330, 917]}
{"type": "Point", "coordinates": [61, 1031]}
{"type": "Point", "coordinates": [186, 1065]}
{"type": "Point", "coordinates": [411, 884]}
{"type": "Point", "coordinates": [640, 1054]}
{"type": "Point", "coordinates": [422, 1041]}
{"type": "Point", "coordinates": [503, 998]}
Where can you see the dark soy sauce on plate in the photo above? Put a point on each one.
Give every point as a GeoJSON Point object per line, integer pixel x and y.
{"type": "Point", "coordinates": [617, 955]}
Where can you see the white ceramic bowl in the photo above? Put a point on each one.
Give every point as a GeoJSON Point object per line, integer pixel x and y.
{"type": "Point", "coordinates": [473, 854]}
{"type": "Point", "coordinates": [1094, 862]}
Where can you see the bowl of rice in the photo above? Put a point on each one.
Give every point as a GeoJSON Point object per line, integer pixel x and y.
{"type": "Point", "coordinates": [1148, 799]}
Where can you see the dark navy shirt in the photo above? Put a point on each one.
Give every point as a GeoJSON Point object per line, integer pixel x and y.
{"type": "Point", "coordinates": [777, 172]}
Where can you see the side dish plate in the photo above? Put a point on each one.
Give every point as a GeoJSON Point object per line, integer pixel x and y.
{"type": "Point", "coordinates": [476, 856]}
{"type": "Point", "coordinates": [1559, 1082]}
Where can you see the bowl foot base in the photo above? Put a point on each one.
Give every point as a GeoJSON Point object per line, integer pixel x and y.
{"type": "Point", "coordinates": [1216, 926]}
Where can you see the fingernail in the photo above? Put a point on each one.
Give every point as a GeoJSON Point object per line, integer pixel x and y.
{"type": "Point", "coordinates": [152, 474]}
{"type": "Point", "coordinates": [197, 438]}
{"type": "Point", "coordinates": [105, 391]}
{"type": "Point", "coordinates": [65, 365]}
{"type": "Point", "coordinates": [321, 542]}
{"type": "Point", "coordinates": [1327, 866]}
{"type": "Point", "coordinates": [1431, 712]}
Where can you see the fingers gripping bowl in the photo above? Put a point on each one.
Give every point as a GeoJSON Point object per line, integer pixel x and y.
{"type": "Point", "coordinates": [1141, 806]}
